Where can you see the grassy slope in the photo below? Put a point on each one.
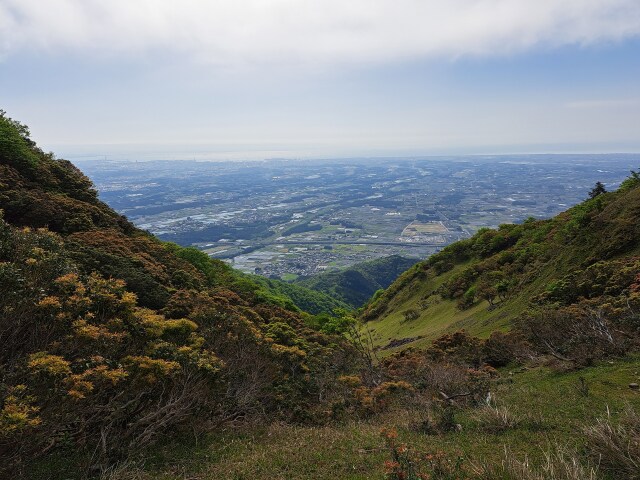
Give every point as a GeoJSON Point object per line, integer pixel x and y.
{"type": "Point", "coordinates": [442, 315]}
{"type": "Point", "coordinates": [565, 253]}
{"type": "Point", "coordinates": [355, 450]}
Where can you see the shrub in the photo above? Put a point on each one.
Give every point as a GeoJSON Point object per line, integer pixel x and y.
{"type": "Point", "coordinates": [84, 365]}
{"type": "Point", "coordinates": [458, 346]}
{"type": "Point", "coordinates": [500, 349]}
{"type": "Point", "coordinates": [577, 334]}
{"type": "Point", "coordinates": [411, 314]}
{"type": "Point", "coordinates": [407, 464]}
{"type": "Point", "coordinates": [19, 420]}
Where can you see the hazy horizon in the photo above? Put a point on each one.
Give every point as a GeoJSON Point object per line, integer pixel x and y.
{"type": "Point", "coordinates": [261, 157]}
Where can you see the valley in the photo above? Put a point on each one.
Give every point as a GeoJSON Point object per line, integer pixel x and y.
{"type": "Point", "coordinates": [316, 240]}
{"type": "Point", "coordinates": [508, 355]}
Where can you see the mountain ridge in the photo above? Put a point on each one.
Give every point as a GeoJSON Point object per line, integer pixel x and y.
{"type": "Point", "coordinates": [486, 282]}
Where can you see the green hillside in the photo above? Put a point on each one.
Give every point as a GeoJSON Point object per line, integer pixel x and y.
{"type": "Point", "coordinates": [302, 296]}
{"type": "Point", "coordinates": [486, 282]}
{"type": "Point", "coordinates": [112, 340]}
{"type": "Point", "coordinates": [357, 284]}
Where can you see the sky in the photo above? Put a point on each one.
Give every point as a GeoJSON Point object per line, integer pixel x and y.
{"type": "Point", "coordinates": [250, 79]}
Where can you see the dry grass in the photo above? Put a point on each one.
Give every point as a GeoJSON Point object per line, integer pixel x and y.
{"type": "Point", "coordinates": [617, 447]}
{"type": "Point", "coordinates": [124, 471]}
{"type": "Point", "coordinates": [558, 465]}
{"type": "Point", "coordinates": [494, 419]}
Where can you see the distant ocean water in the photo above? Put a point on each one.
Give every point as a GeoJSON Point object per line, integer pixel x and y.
{"type": "Point", "coordinates": [219, 153]}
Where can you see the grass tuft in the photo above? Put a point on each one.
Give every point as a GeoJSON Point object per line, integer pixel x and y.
{"type": "Point", "coordinates": [617, 447]}
{"type": "Point", "coordinates": [494, 419]}
{"type": "Point", "coordinates": [558, 465]}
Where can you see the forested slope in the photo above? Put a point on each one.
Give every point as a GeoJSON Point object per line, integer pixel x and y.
{"type": "Point", "coordinates": [357, 284]}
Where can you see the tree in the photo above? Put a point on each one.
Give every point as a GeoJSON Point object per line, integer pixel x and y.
{"type": "Point", "coordinates": [502, 288]}
{"type": "Point", "coordinates": [630, 182]}
{"type": "Point", "coordinates": [597, 190]}
{"type": "Point", "coordinates": [487, 291]}
{"type": "Point", "coordinates": [468, 299]}
{"type": "Point", "coordinates": [21, 128]}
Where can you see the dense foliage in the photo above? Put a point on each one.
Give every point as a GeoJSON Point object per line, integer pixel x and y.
{"type": "Point", "coordinates": [112, 339]}
{"type": "Point", "coordinates": [357, 284]}
{"type": "Point", "coordinates": [305, 298]}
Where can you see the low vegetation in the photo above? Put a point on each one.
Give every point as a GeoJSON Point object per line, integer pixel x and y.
{"type": "Point", "coordinates": [549, 434]}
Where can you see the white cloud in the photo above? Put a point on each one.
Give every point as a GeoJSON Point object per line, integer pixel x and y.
{"type": "Point", "coordinates": [232, 32]}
